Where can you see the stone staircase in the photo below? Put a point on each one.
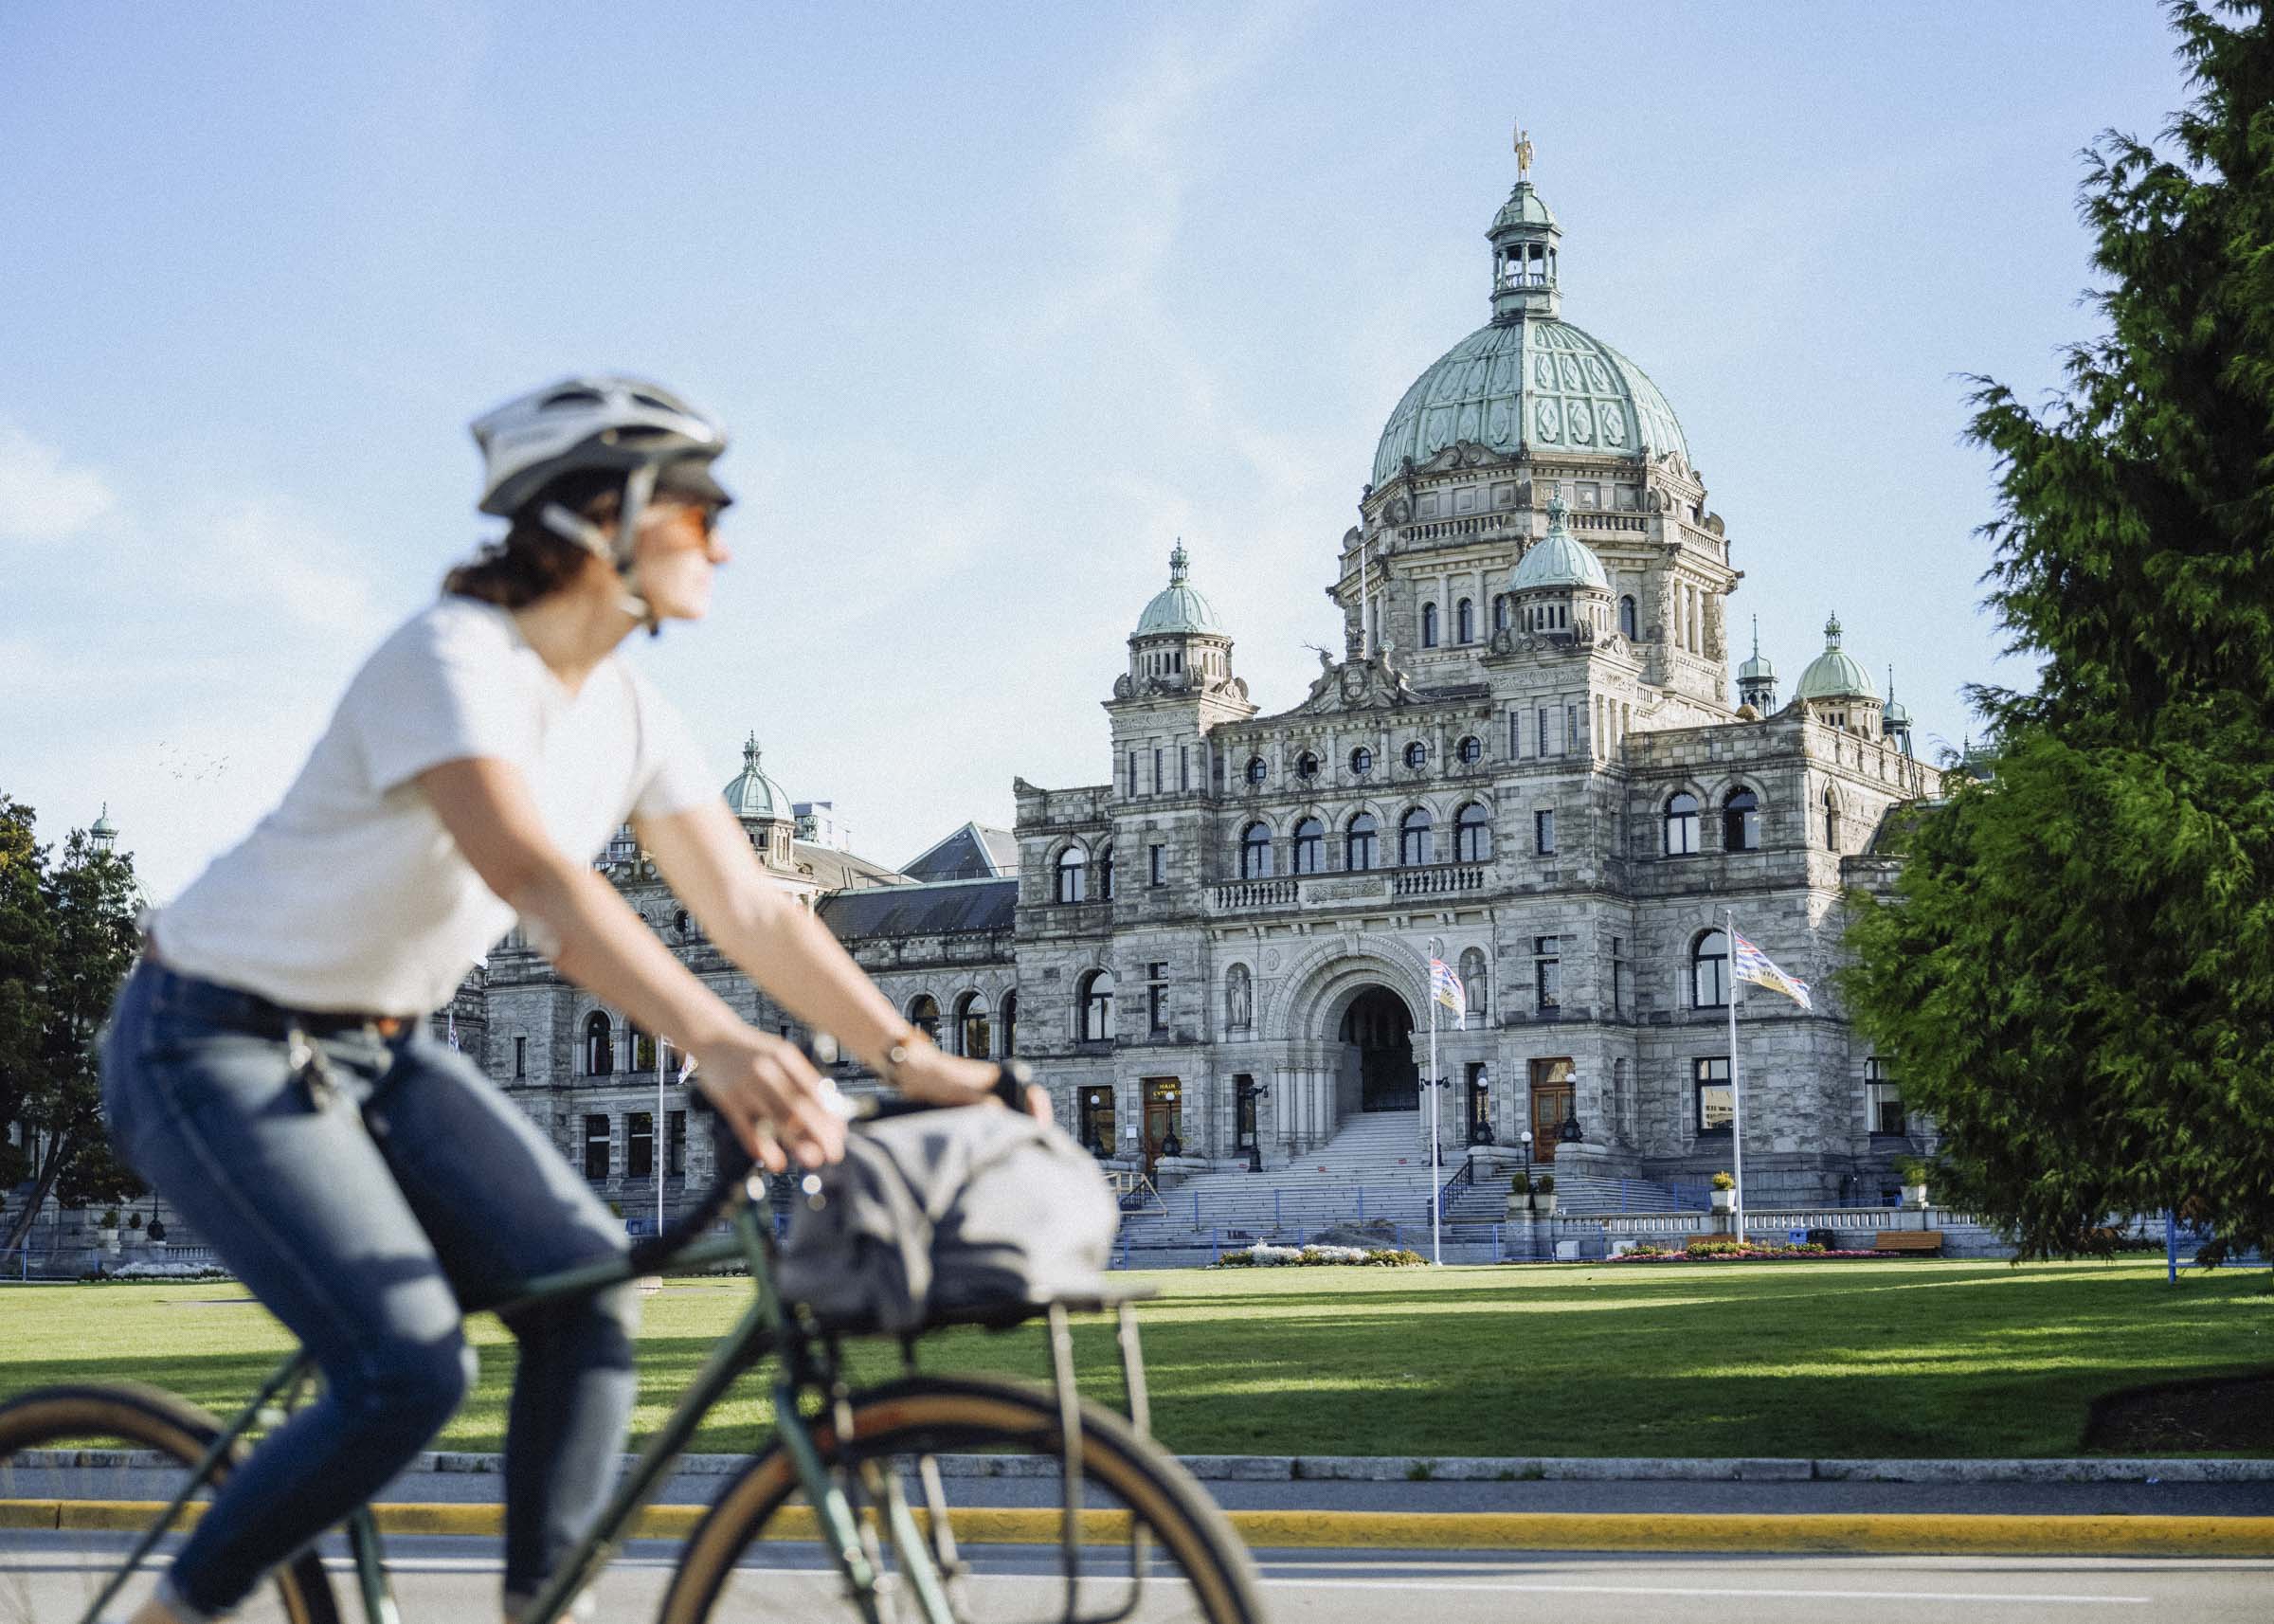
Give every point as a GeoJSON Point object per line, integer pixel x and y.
{"type": "Point", "coordinates": [1375, 1170]}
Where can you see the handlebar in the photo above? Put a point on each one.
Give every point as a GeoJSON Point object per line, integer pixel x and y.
{"type": "Point", "coordinates": [736, 1163]}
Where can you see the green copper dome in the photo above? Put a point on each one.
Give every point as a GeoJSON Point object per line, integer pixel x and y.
{"type": "Point", "coordinates": [1834, 673]}
{"type": "Point", "coordinates": [1176, 609]}
{"type": "Point", "coordinates": [1558, 561]}
{"type": "Point", "coordinates": [752, 794]}
{"type": "Point", "coordinates": [1529, 377]}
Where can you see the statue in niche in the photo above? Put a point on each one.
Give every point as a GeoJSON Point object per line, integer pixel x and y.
{"type": "Point", "coordinates": [1239, 998]}
{"type": "Point", "coordinates": [1714, 649]}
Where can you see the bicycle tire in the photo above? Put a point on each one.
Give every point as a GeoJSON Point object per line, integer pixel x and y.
{"type": "Point", "coordinates": [42, 1431]}
{"type": "Point", "coordinates": [930, 1415]}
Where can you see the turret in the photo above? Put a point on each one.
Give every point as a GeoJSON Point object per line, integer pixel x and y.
{"type": "Point", "coordinates": [1560, 586]}
{"type": "Point", "coordinates": [1756, 678]}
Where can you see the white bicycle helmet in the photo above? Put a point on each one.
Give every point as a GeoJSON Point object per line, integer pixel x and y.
{"type": "Point", "coordinates": [598, 422]}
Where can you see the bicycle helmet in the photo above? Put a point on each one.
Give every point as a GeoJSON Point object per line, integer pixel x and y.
{"type": "Point", "coordinates": [604, 422]}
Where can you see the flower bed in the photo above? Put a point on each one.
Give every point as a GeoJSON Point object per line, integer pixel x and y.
{"type": "Point", "coordinates": [1732, 1252]}
{"type": "Point", "coordinates": [166, 1272]}
{"type": "Point", "coordinates": [1263, 1256]}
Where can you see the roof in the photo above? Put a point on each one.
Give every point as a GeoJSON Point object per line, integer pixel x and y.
{"type": "Point", "coordinates": [945, 908]}
{"type": "Point", "coordinates": [1177, 607]}
{"type": "Point", "coordinates": [974, 852]}
{"type": "Point", "coordinates": [1525, 207]}
{"type": "Point", "coordinates": [1557, 559]}
{"type": "Point", "coordinates": [752, 794]}
{"type": "Point", "coordinates": [833, 870]}
{"type": "Point", "coordinates": [1834, 673]}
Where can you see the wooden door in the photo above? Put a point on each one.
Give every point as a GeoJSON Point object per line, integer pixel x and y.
{"type": "Point", "coordinates": [1162, 1106]}
{"type": "Point", "coordinates": [1551, 1105]}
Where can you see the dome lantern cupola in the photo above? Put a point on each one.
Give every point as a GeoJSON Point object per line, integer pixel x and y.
{"type": "Point", "coordinates": [762, 808]}
{"type": "Point", "coordinates": [1757, 678]}
{"type": "Point", "coordinates": [1836, 689]}
{"type": "Point", "coordinates": [1179, 642]}
{"type": "Point", "coordinates": [1561, 587]}
{"type": "Point", "coordinates": [1896, 719]}
{"type": "Point", "coordinates": [1524, 238]}
{"type": "Point", "coordinates": [104, 832]}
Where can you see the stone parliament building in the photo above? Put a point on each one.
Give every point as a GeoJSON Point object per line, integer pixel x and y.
{"type": "Point", "coordinates": [1525, 761]}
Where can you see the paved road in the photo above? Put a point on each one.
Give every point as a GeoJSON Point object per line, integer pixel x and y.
{"type": "Point", "coordinates": [448, 1579]}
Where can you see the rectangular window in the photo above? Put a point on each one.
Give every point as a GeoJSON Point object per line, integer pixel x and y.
{"type": "Point", "coordinates": [1156, 995]}
{"type": "Point", "coordinates": [1547, 971]}
{"type": "Point", "coordinates": [596, 1147]}
{"type": "Point", "coordinates": [1156, 859]}
{"type": "Point", "coordinates": [1157, 786]}
{"type": "Point", "coordinates": [674, 1143]}
{"type": "Point", "coordinates": [1619, 975]}
{"type": "Point", "coordinates": [1571, 727]}
{"type": "Point", "coordinates": [1883, 1100]}
{"type": "Point", "coordinates": [1544, 831]}
{"type": "Point", "coordinates": [1717, 1100]}
{"type": "Point", "coordinates": [1183, 766]}
{"type": "Point", "coordinates": [1515, 740]}
{"type": "Point", "coordinates": [1133, 790]}
{"type": "Point", "coordinates": [520, 1056]}
{"type": "Point", "coordinates": [639, 1144]}
{"type": "Point", "coordinates": [1539, 734]}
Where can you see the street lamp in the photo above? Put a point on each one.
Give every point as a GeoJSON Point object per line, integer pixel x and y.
{"type": "Point", "coordinates": [1527, 1137]}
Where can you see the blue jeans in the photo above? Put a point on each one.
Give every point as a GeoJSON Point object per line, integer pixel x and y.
{"type": "Point", "coordinates": [362, 1206]}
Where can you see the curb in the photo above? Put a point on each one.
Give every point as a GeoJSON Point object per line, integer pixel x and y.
{"type": "Point", "coordinates": [1889, 1534]}
{"type": "Point", "coordinates": [1578, 1468]}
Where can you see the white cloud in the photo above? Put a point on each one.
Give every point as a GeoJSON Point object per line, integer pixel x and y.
{"type": "Point", "coordinates": [266, 553]}
{"type": "Point", "coordinates": [41, 500]}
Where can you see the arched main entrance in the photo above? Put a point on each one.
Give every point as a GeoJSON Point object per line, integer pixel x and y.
{"type": "Point", "coordinates": [1381, 1028]}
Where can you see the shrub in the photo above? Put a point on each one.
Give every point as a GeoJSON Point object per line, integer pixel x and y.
{"type": "Point", "coordinates": [1910, 1169]}
{"type": "Point", "coordinates": [1520, 1184]}
{"type": "Point", "coordinates": [109, 1219]}
{"type": "Point", "coordinates": [1544, 1184]}
{"type": "Point", "coordinates": [1261, 1255]}
{"type": "Point", "coordinates": [133, 1221]}
{"type": "Point", "coordinates": [1723, 1181]}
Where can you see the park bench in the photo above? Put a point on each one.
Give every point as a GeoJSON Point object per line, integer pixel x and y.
{"type": "Point", "coordinates": [1924, 1240]}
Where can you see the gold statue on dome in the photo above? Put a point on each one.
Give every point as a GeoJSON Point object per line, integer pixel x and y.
{"type": "Point", "coordinates": [1523, 154]}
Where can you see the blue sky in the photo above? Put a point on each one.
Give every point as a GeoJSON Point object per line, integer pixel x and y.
{"type": "Point", "coordinates": [998, 302]}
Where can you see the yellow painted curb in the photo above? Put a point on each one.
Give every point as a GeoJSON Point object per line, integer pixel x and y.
{"type": "Point", "coordinates": [1884, 1534]}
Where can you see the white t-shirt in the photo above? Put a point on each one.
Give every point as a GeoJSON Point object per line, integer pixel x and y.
{"type": "Point", "coordinates": [351, 895]}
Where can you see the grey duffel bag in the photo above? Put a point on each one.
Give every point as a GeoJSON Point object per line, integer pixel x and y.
{"type": "Point", "coordinates": [948, 1209]}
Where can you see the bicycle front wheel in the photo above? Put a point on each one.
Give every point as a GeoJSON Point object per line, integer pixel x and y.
{"type": "Point", "coordinates": [1154, 1547]}
{"type": "Point", "coordinates": [84, 1469]}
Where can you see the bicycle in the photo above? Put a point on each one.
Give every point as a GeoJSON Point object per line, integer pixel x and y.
{"type": "Point", "coordinates": [851, 1457]}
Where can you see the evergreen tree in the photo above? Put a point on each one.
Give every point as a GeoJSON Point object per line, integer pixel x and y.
{"type": "Point", "coordinates": [2076, 975]}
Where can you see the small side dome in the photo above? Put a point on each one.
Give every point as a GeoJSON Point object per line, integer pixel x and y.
{"type": "Point", "coordinates": [1177, 611]}
{"type": "Point", "coordinates": [1834, 673]}
{"type": "Point", "coordinates": [752, 795]}
{"type": "Point", "coordinates": [102, 831]}
{"type": "Point", "coordinates": [1558, 561]}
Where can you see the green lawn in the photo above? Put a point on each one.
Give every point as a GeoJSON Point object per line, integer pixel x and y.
{"type": "Point", "coordinates": [1911, 1357]}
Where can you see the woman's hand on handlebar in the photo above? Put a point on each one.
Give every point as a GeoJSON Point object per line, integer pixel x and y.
{"type": "Point", "coordinates": [937, 1077]}
{"type": "Point", "coordinates": [772, 1099]}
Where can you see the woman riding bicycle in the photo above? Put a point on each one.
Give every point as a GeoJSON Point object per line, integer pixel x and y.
{"type": "Point", "coordinates": [267, 1065]}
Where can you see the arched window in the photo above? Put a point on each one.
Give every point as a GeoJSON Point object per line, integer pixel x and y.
{"type": "Point", "coordinates": [1429, 625]}
{"type": "Point", "coordinates": [1500, 613]}
{"type": "Point", "coordinates": [1073, 875]}
{"type": "Point", "coordinates": [974, 1031]}
{"type": "Point", "coordinates": [1256, 852]}
{"type": "Point", "coordinates": [1741, 821]}
{"type": "Point", "coordinates": [1474, 980]}
{"type": "Point", "coordinates": [1362, 761]}
{"type": "Point", "coordinates": [1096, 1009]}
{"type": "Point", "coordinates": [1105, 873]}
{"type": "Point", "coordinates": [924, 1015]}
{"type": "Point", "coordinates": [1472, 834]}
{"type": "Point", "coordinates": [1416, 755]}
{"type": "Point", "coordinates": [1832, 823]}
{"type": "Point", "coordinates": [1682, 824]}
{"type": "Point", "coordinates": [600, 1053]}
{"type": "Point", "coordinates": [1259, 769]}
{"type": "Point", "coordinates": [1307, 766]}
{"type": "Point", "coordinates": [1464, 621]}
{"type": "Point", "coordinates": [1010, 1022]}
{"type": "Point", "coordinates": [1310, 846]}
{"type": "Point", "coordinates": [1710, 971]}
{"type": "Point", "coordinates": [1361, 842]}
{"type": "Point", "coordinates": [1625, 618]}
{"type": "Point", "coordinates": [1469, 751]}
{"type": "Point", "coordinates": [1415, 844]}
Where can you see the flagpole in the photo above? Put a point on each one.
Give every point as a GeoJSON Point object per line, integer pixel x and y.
{"type": "Point", "coordinates": [1737, 1110]}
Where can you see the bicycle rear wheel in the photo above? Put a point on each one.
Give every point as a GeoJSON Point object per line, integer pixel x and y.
{"type": "Point", "coordinates": [83, 1471]}
{"type": "Point", "coordinates": [1155, 1549]}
